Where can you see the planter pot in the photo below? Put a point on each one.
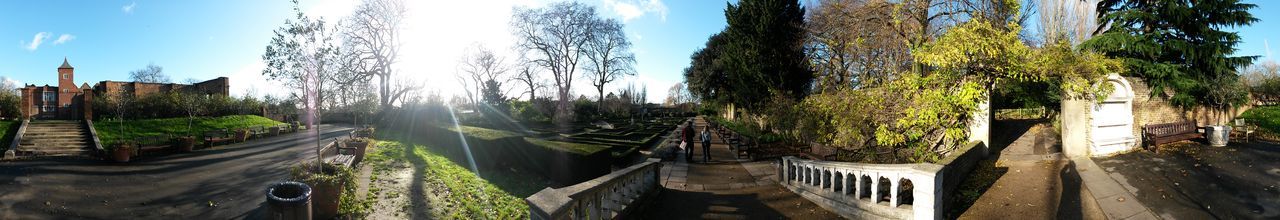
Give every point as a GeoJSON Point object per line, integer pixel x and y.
{"type": "Point", "coordinates": [360, 147]}
{"type": "Point", "coordinates": [293, 128]}
{"type": "Point", "coordinates": [242, 135]}
{"type": "Point", "coordinates": [186, 144]}
{"type": "Point", "coordinates": [275, 131]}
{"type": "Point", "coordinates": [1218, 135]}
{"type": "Point", "coordinates": [326, 200]}
{"type": "Point", "coordinates": [121, 153]}
{"type": "Point", "coordinates": [289, 200]}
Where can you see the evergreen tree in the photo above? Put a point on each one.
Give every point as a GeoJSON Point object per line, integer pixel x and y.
{"type": "Point", "coordinates": [764, 51]}
{"type": "Point", "coordinates": [1177, 44]}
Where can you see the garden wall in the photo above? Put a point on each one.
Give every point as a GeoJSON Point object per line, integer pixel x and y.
{"type": "Point", "coordinates": [1149, 109]}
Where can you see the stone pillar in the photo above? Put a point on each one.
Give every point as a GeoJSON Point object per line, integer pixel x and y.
{"type": "Point", "coordinates": [88, 104]}
{"type": "Point", "coordinates": [26, 104]}
{"type": "Point", "coordinates": [1075, 121]}
{"type": "Point", "coordinates": [980, 125]}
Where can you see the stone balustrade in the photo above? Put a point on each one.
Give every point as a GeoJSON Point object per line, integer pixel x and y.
{"type": "Point", "coordinates": [605, 197]}
{"type": "Point", "coordinates": [867, 191]}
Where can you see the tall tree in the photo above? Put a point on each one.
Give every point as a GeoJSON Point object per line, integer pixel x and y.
{"type": "Point", "coordinates": [374, 31]}
{"type": "Point", "coordinates": [479, 66]}
{"type": "Point", "coordinates": [608, 54]}
{"type": "Point", "coordinates": [151, 74]}
{"type": "Point", "coordinates": [555, 38]}
{"type": "Point", "coordinates": [765, 44]}
{"type": "Point", "coordinates": [302, 56]}
{"type": "Point", "coordinates": [528, 75]}
{"type": "Point", "coordinates": [1177, 45]}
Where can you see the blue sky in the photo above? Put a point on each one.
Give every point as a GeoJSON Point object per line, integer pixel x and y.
{"type": "Point", "coordinates": [206, 39]}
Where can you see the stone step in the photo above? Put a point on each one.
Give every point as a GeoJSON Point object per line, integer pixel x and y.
{"type": "Point", "coordinates": [53, 133]}
{"type": "Point", "coordinates": [58, 152]}
{"type": "Point", "coordinates": [54, 142]}
{"type": "Point", "coordinates": [51, 147]}
{"type": "Point", "coordinates": [53, 130]}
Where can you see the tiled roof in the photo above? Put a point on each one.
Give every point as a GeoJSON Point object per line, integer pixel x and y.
{"type": "Point", "coordinates": [65, 65]}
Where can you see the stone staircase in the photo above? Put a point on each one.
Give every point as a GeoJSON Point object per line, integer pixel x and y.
{"type": "Point", "coordinates": [56, 138]}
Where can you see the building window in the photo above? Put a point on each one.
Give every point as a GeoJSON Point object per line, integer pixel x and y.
{"type": "Point", "coordinates": [48, 108]}
{"type": "Point", "coordinates": [66, 76]}
{"type": "Point", "coordinates": [49, 96]}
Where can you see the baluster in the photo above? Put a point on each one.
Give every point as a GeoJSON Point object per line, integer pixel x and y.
{"type": "Point", "coordinates": [894, 183]}
{"type": "Point", "coordinates": [875, 188]}
{"type": "Point", "coordinates": [846, 185]}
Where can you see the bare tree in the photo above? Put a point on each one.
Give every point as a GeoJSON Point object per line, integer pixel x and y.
{"type": "Point", "coordinates": [302, 56]}
{"type": "Point", "coordinates": [478, 66]}
{"type": "Point", "coordinates": [608, 54]}
{"type": "Point", "coordinates": [528, 75]}
{"type": "Point", "coordinates": [555, 38]}
{"type": "Point", "coordinates": [374, 31]}
{"type": "Point", "coordinates": [1066, 20]}
{"type": "Point", "coordinates": [151, 74]}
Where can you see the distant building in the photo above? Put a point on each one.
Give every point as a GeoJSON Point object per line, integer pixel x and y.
{"type": "Point", "coordinates": [66, 101]}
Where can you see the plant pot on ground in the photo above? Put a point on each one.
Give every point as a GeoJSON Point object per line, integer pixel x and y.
{"type": "Point", "coordinates": [121, 152]}
{"type": "Point", "coordinates": [366, 132]}
{"type": "Point", "coordinates": [274, 130]}
{"type": "Point", "coordinates": [327, 186]}
{"type": "Point", "coordinates": [242, 135]}
{"type": "Point", "coordinates": [186, 143]}
{"type": "Point", "coordinates": [361, 145]}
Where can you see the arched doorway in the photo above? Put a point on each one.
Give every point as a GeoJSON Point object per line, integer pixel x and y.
{"type": "Point", "coordinates": [1112, 126]}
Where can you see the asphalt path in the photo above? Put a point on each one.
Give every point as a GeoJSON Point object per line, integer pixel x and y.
{"type": "Point", "coordinates": [224, 182]}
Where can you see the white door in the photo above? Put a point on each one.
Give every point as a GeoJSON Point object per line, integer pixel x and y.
{"type": "Point", "coordinates": [1113, 121]}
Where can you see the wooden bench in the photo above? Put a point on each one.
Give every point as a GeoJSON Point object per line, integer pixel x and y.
{"type": "Point", "coordinates": [337, 154]}
{"type": "Point", "coordinates": [258, 131]}
{"type": "Point", "coordinates": [214, 137]}
{"type": "Point", "coordinates": [154, 143]}
{"type": "Point", "coordinates": [1157, 134]}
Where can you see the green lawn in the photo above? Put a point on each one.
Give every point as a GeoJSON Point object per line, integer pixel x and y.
{"type": "Point", "coordinates": [1267, 118]}
{"type": "Point", "coordinates": [458, 193]}
{"type": "Point", "coordinates": [576, 148]}
{"type": "Point", "coordinates": [7, 130]}
{"type": "Point", "coordinates": [482, 133]}
{"type": "Point", "coordinates": [110, 131]}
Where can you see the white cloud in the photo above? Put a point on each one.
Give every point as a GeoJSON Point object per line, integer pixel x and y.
{"type": "Point", "coordinates": [64, 38]}
{"type": "Point", "coordinates": [128, 9]}
{"type": "Point", "coordinates": [632, 9]}
{"type": "Point", "coordinates": [35, 41]}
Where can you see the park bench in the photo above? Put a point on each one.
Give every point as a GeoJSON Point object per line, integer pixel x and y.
{"type": "Point", "coordinates": [218, 136]}
{"type": "Point", "coordinates": [258, 131]}
{"type": "Point", "coordinates": [1157, 134]}
{"type": "Point", "coordinates": [338, 154]}
{"type": "Point", "coordinates": [818, 151]}
{"type": "Point", "coordinates": [153, 143]}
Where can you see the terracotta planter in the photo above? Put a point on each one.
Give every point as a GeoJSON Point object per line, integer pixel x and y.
{"type": "Point", "coordinates": [360, 147]}
{"type": "Point", "coordinates": [186, 144]}
{"type": "Point", "coordinates": [122, 152]}
{"type": "Point", "coordinates": [325, 199]}
{"type": "Point", "coordinates": [275, 131]}
{"type": "Point", "coordinates": [242, 135]}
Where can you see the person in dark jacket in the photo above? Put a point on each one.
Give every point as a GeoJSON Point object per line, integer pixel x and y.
{"type": "Point", "coordinates": [688, 140]}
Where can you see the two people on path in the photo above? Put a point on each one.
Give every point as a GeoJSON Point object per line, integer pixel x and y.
{"type": "Point", "coordinates": [705, 136]}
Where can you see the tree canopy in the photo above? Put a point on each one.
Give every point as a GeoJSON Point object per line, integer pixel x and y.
{"type": "Point", "coordinates": [1177, 45]}
{"type": "Point", "coordinates": [759, 54]}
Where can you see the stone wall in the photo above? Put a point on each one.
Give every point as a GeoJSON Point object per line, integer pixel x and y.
{"type": "Point", "coordinates": [218, 86]}
{"type": "Point", "coordinates": [1149, 109]}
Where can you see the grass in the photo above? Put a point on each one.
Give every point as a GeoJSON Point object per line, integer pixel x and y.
{"type": "Point", "coordinates": [576, 148]}
{"type": "Point", "coordinates": [1266, 118]}
{"type": "Point", "coordinates": [457, 192]}
{"type": "Point", "coordinates": [109, 131]}
{"type": "Point", "coordinates": [7, 130]}
{"type": "Point", "coordinates": [482, 133]}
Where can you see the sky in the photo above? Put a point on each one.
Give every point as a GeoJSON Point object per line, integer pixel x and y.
{"type": "Point", "coordinates": [201, 40]}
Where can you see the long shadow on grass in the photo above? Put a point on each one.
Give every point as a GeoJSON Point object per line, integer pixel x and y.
{"type": "Point", "coordinates": [417, 197]}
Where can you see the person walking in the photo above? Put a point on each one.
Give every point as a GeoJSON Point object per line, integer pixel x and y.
{"type": "Point", "coordinates": [706, 144]}
{"type": "Point", "coordinates": [687, 132]}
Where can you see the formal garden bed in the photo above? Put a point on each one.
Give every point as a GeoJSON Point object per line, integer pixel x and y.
{"type": "Point", "coordinates": [147, 136]}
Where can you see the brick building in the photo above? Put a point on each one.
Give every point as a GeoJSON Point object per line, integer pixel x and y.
{"type": "Point", "coordinates": [67, 101]}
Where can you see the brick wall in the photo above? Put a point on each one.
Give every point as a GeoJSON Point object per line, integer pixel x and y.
{"type": "Point", "coordinates": [1149, 109]}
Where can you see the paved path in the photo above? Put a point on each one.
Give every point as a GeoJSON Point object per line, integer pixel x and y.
{"type": "Point", "coordinates": [225, 182]}
{"type": "Point", "coordinates": [1034, 181]}
{"type": "Point", "coordinates": [1190, 180]}
{"type": "Point", "coordinates": [726, 188]}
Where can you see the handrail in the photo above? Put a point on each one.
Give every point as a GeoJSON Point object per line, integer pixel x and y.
{"type": "Point", "coordinates": [842, 186]}
{"type": "Point", "coordinates": [97, 144]}
{"type": "Point", "coordinates": [605, 197]}
{"type": "Point", "coordinates": [17, 139]}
